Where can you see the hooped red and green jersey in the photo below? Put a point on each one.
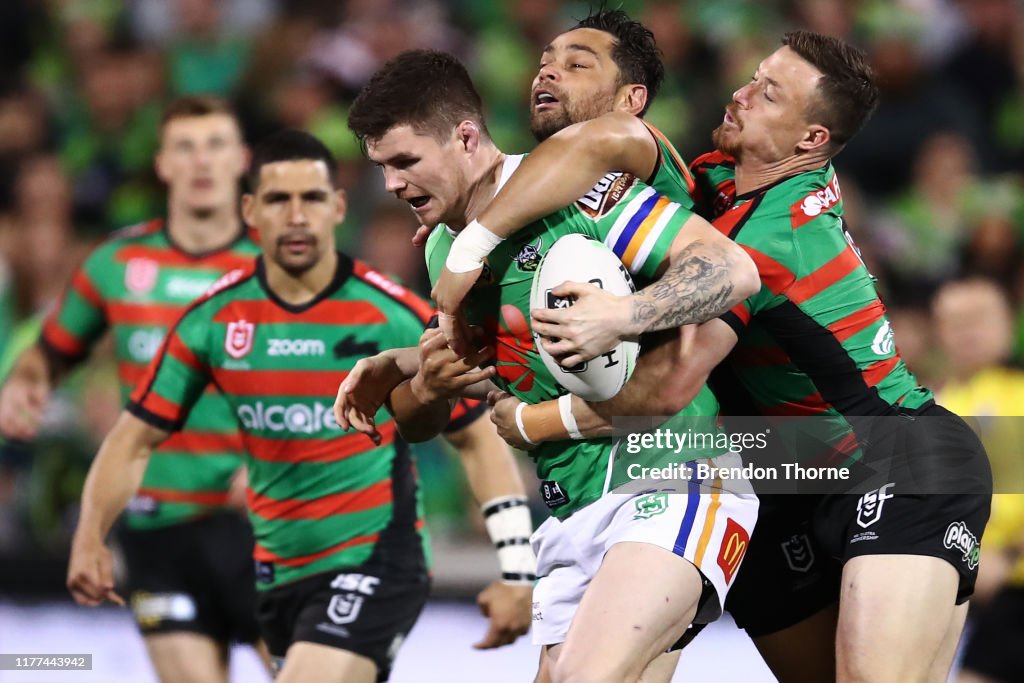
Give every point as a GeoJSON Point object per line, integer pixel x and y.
{"type": "Point", "coordinates": [136, 284]}
{"type": "Point", "coordinates": [319, 497]}
{"type": "Point", "coordinates": [815, 340]}
{"type": "Point", "coordinates": [639, 225]}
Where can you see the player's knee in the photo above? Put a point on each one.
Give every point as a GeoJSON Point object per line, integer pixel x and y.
{"type": "Point", "coordinates": [872, 669]}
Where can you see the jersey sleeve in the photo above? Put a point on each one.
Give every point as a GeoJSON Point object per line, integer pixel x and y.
{"type": "Point", "coordinates": [671, 175]}
{"type": "Point", "coordinates": [177, 375]}
{"type": "Point", "coordinates": [80, 316]}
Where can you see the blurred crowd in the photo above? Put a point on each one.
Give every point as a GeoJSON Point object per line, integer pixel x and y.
{"type": "Point", "coordinates": [933, 187]}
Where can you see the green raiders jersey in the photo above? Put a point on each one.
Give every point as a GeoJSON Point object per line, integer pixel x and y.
{"type": "Point", "coordinates": [815, 340]}
{"type": "Point", "coordinates": [319, 498]}
{"type": "Point", "coordinates": [639, 225]}
{"type": "Point", "coordinates": [136, 284]}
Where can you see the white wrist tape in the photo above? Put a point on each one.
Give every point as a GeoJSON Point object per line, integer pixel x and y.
{"type": "Point", "coordinates": [520, 425]}
{"type": "Point", "coordinates": [509, 526]}
{"type": "Point", "coordinates": [471, 247]}
{"type": "Point", "coordinates": [568, 419]}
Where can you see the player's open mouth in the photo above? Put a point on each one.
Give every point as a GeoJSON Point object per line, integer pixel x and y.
{"type": "Point", "coordinates": [542, 98]}
{"type": "Point", "coordinates": [418, 202]}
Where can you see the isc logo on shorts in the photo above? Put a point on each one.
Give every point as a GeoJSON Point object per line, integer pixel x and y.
{"type": "Point", "coordinates": [344, 609]}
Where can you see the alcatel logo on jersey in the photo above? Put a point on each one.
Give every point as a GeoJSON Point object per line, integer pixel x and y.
{"type": "Point", "coordinates": [238, 338]}
{"type": "Point", "coordinates": [296, 347]}
{"type": "Point", "coordinates": [297, 418]}
{"type": "Point", "coordinates": [140, 275]}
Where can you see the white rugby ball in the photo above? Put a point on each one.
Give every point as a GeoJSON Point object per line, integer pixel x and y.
{"type": "Point", "coordinates": [581, 259]}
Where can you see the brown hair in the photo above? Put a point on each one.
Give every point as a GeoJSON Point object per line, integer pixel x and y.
{"type": "Point", "coordinates": [426, 89]}
{"type": "Point", "coordinates": [847, 94]}
{"type": "Point", "coordinates": [196, 105]}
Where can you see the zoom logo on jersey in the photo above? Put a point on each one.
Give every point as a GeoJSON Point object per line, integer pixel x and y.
{"type": "Point", "coordinates": [959, 537]}
{"type": "Point", "coordinates": [296, 347]}
{"type": "Point", "coordinates": [869, 507]}
{"type": "Point", "coordinates": [297, 417]}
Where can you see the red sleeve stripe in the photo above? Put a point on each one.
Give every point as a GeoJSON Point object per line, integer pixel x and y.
{"type": "Point", "coordinates": [319, 383]}
{"type": "Point", "coordinates": [203, 443]}
{"type": "Point", "coordinates": [844, 328]}
{"type": "Point", "coordinates": [150, 314]}
{"type": "Point", "coordinates": [193, 497]}
{"type": "Point", "coordinates": [691, 186]}
{"type": "Point", "coordinates": [334, 504]}
{"type": "Point", "coordinates": [327, 312]}
{"type": "Point", "coordinates": [315, 450]}
{"type": "Point", "coordinates": [182, 353]}
{"type": "Point", "coordinates": [158, 405]}
{"type": "Point", "coordinates": [876, 372]}
{"type": "Point", "coordinates": [741, 311]}
{"type": "Point", "coordinates": [775, 276]}
{"type": "Point", "coordinates": [827, 275]}
{"type": "Point", "coordinates": [85, 288]}
{"type": "Point", "coordinates": [418, 306]}
{"type": "Point", "coordinates": [261, 554]}
{"type": "Point", "coordinates": [60, 339]}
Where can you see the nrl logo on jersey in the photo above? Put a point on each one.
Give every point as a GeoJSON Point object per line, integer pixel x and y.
{"type": "Point", "coordinates": [238, 338]}
{"type": "Point", "coordinates": [604, 196]}
{"type": "Point", "coordinates": [528, 257]}
{"type": "Point", "coordinates": [140, 275]}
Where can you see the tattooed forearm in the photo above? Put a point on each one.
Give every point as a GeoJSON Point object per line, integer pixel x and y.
{"type": "Point", "coordinates": [697, 286]}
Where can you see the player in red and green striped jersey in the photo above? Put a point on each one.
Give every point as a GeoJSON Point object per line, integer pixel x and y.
{"type": "Point", "coordinates": [340, 547]}
{"type": "Point", "coordinates": [135, 285]}
{"type": "Point", "coordinates": [815, 341]}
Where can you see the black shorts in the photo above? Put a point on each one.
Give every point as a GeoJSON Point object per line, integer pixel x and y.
{"type": "Point", "coordinates": [194, 576]}
{"type": "Point", "coordinates": [793, 565]}
{"type": "Point", "coordinates": [366, 609]}
{"type": "Point", "coordinates": [993, 647]}
{"type": "Point", "coordinates": [785, 576]}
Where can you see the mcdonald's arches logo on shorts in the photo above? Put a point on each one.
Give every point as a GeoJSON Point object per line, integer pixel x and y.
{"type": "Point", "coordinates": [734, 546]}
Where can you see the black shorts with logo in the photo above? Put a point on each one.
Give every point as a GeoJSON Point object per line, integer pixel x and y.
{"type": "Point", "coordinates": [195, 576]}
{"type": "Point", "coordinates": [932, 498]}
{"type": "Point", "coordinates": [367, 609]}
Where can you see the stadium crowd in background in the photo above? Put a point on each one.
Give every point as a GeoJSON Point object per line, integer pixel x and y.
{"type": "Point", "coordinates": [932, 186]}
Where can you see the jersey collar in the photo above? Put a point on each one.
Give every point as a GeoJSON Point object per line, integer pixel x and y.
{"type": "Point", "coordinates": [341, 275]}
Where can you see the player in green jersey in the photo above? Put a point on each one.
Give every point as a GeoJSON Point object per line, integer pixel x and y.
{"type": "Point", "coordinates": [135, 285]}
{"type": "Point", "coordinates": [421, 121]}
{"type": "Point", "coordinates": [814, 341]}
{"type": "Point", "coordinates": [341, 563]}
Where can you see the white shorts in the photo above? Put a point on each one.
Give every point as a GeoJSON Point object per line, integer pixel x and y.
{"type": "Point", "coordinates": [708, 526]}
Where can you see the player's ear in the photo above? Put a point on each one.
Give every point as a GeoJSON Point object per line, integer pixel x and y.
{"type": "Point", "coordinates": [468, 135]}
{"type": "Point", "coordinates": [248, 201]}
{"type": "Point", "coordinates": [816, 139]}
{"type": "Point", "coordinates": [632, 98]}
{"type": "Point", "coordinates": [342, 205]}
